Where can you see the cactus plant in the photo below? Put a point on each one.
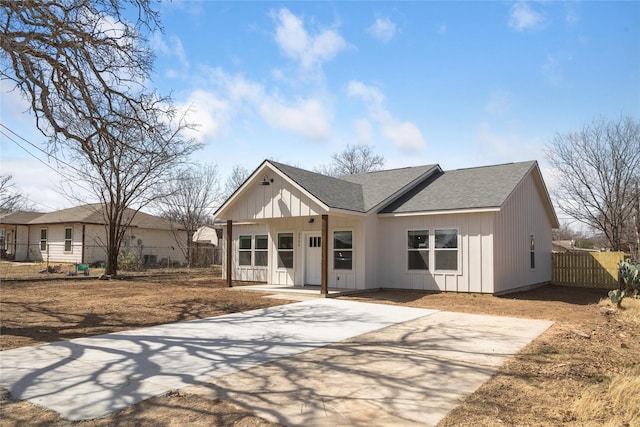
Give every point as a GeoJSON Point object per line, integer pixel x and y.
{"type": "Point", "coordinates": [628, 282]}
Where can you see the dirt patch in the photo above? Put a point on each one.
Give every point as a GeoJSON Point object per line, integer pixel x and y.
{"type": "Point", "coordinates": [571, 375]}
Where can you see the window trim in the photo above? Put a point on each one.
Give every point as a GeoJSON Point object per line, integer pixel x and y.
{"type": "Point", "coordinates": [292, 250]}
{"type": "Point", "coordinates": [45, 240]}
{"type": "Point", "coordinates": [69, 240]}
{"type": "Point", "coordinates": [428, 250]}
{"type": "Point", "coordinates": [334, 250]}
{"type": "Point", "coordinates": [458, 250]}
{"type": "Point", "coordinates": [532, 251]}
{"type": "Point", "coordinates": [242, 250]}
{"type": "Point", "coordinates": [257, 250]}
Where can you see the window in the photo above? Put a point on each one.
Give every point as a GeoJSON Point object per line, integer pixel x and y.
{"type": "Point", "coordinates": [43, 239]}
{"type": "Point", "coordinates": [446, 249]}
{"type": "Point", "coordinates": [285, 250]}
{"type": "Point", "coordinates": [342, 250]}
{"type": "Point", "coordinates": [244, 250]}
{"type": "Point", "coordinates": [532, 251]}
{"type": "Point", "coordinates": [261, 257]}
{"type": "Point", "coordinates": [68, 238]}
{"type": "Point", "coordinates": [418, 249]}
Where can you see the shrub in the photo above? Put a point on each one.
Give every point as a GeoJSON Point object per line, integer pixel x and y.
{"type": "Point", "coordinates": [628, 282]}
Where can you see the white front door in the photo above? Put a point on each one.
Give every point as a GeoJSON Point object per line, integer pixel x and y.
{"type": "Point", "coordinates": [313, 259]}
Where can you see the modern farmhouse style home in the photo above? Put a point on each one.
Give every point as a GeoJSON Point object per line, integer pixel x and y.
{"type": "Point", "coordinates": [484, 229]}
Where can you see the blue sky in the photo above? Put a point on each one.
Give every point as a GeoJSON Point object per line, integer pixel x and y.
{"type": "Point", "coordinates": [461, 84]}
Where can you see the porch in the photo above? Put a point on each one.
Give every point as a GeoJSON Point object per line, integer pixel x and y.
{"type": "Point", "coordinates": [298, 292]}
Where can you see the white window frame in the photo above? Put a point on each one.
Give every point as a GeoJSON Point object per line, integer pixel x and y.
{"type": "Point", "coordinates": [428, 249]}
{"type": "Point", "coordinates": [334, 250]}
{"type": "Point", "coordinates": [458, 250]}
{"type": "Point", "coordinates": [45, 240]}
{"type": "Point", "coordinates": [242, 250]}
{"type": "Point", "coordinates": [257, 250]}
{"type": "Point", "coordinates": [292, 250]}
{"type": "Point", "coordinates": [70, 240]}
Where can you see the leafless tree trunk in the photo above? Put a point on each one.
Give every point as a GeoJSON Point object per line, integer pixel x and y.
{"type": "Point", "coordinates": [192, 195]}
{"type": "Point", "coordinates": [596, 169]}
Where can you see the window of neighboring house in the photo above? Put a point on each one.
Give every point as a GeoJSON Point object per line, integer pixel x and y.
{"type": "Point", "coordinates": [43, 239]}
{"type": "Point", "coordinates": [285, 250]}
{"type": "Point", "coordinates": [532, 251]}
{"type": "Point", "coordinates": [418, 249]}
{"type": "Point", "coordinates": [342, 250]}
{"type": "Point", "coordinates": [446, 249]}
{"type": "Point", "coordinates": [68, 239]}
{"type": "Point", "coordinates": [261, 258]}
{"type": "Point", "coordinates": [244, 249]}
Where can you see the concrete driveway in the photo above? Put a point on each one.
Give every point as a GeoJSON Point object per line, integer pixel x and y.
{"type": "Point", "coordinates": [318, 362]}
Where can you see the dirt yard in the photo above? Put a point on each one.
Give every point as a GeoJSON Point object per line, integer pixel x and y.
{"type": "Point", "coordinates": [583, 371]}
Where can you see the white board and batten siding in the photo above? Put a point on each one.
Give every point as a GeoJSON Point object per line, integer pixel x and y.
{"type": "Point", "coordinates": [522, 216]}
{"type": "Point", "coordinates": [475, 253]}
{"type": "Point", "coordinates": [280, 199]}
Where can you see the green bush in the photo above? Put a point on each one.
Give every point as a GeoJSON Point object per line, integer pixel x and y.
{"type": "Point", "coordinates": [628, 282]}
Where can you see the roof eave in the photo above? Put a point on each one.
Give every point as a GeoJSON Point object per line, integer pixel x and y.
{"type": "Point", "coordinates": [441, 212]}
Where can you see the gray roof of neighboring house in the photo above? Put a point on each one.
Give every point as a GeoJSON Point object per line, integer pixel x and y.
{"type": "Point", "coordinates": [473, 188]}
{"type": "Point", "coordinates": [92, 214]}
{"type": "Point", "coordinates": [358, 193]}
{"type": "Point", "coordinates": [18, 217]}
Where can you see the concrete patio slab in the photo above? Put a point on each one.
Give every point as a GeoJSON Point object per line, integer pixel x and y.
{"type": "Point", "coordinates": [91, 377]}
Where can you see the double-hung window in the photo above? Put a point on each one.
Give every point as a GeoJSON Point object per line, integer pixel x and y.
{"type": "Point", "coordinates": [285, 250]}
{"type": "Point", "coordinates": [446, 249]}
{"type": "Point", "coordinates": [418, 249]}
{"type": "Point", "coordinates": [244, 250]}
{"type": "Point", "coordinates": [261, 254]}
{"type": "Point", "coordinates": [43, 239]}
{"type": "Point", "coordinates": [532, 251]}
{"type": "Point", "coordinates": [342, 250]}
{"type": "Point", "coordinates": [68, 239]}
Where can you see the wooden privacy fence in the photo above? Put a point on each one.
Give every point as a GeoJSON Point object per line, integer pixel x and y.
{"type": "Point", "coordinates": [586, 269]}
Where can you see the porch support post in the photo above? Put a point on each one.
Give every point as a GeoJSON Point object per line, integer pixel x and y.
{"type": "Point", "coordinates": [324, 288]}
{"type": "Point", "coordinates": [229, 252]}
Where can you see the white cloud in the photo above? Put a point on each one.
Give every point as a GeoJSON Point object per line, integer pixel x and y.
{"type": "Point", "coordinates": [497, 147]}
{"type": "Point", "coordinates": [209, 114]}
{"type": "Point", "coordinates": [405, 135]}
{"type": "Point", "coordinates": [296, 42]}
{"type": "Point", "coordinates": [382, 29]}
{"type": "Point", "coordinates": [364, 131]}
{"type": "Point", "coordinates": [307, 117]}
{"type": "Point", "coordinates": [499, 103]}
{"type": "Point", "coordinates": [172, 48]}
{"type": "Point", "coordinates": [523, 18]}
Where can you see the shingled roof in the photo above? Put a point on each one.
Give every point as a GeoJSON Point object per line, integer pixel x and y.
{"type": "Point", "coordinates": [473, 188]}
{"type": "Point", "coordinates": [358, 193]}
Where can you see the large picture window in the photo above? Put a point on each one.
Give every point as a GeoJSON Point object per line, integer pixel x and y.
{"type": "Point", "coordinates": [261, 258]}
{"type": "Point", "coordinates": [68, 239]}
{"type": "Point", "coordinates": [342, 250]}
{"type": "Point", "coordinates": [446, 249]}
{"type": "Point", "coordinates": [43, 239]}
{"type": "Point", "coordinates": [418, 249]}
{"type": "Point", "coordinates": [244, 250]}
{"type": "Point", "coordinates": [285, 250]}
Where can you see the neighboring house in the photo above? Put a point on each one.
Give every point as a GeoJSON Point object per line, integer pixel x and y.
{"type": "Point", "coordinates": [485, 229]}
{"type": "Point", "coordinates": [78, 235]}
{"type": "Point", "coordinates": [14, 228]}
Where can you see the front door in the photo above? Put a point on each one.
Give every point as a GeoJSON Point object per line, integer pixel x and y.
{"type": "Point", "coordinates": [313, 259]}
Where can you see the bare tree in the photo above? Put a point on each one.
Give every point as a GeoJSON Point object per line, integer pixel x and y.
{"type": "Point", "coordinates": [192, 195]}
{"type": "Point", "coordinates": [10, 199]}
{"type": "Point", "coordinates": [354, 159]}
{"type": "Point", "coordinates": [597, 169]}
{"type": "Point", "coordinates": [238, 175]}
{"type": "Point", "coordinates": [84, 68]}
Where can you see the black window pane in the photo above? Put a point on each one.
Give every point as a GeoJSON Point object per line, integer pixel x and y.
{"type": "Point", "coordinates": [446, 239]}
{"type": "Point", "coordinates": [418, 239]}
{"type": "Point", "coordinates": [261, 258]}
{"type": "Point", "coordinates": [285, 241]}
{"type": "Point", "coordinates": [245, 242]}
{"type": "Point", "coordinates": [342, 260]}
{"type": "Point", "coordinates": [418, 260]}
{"type": "Point", "coordinates": [446, 260]}
{"type": "Point", "coordinates": [342, 240]}
{"type": "Point", "coordinates": [244, 258]}
{"type": "Point", "coordinates": [261, 242]}
{"type": "Point", "coordinates": [285, 259]}
{"type": "Point", "coordinates": [533, 260]}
